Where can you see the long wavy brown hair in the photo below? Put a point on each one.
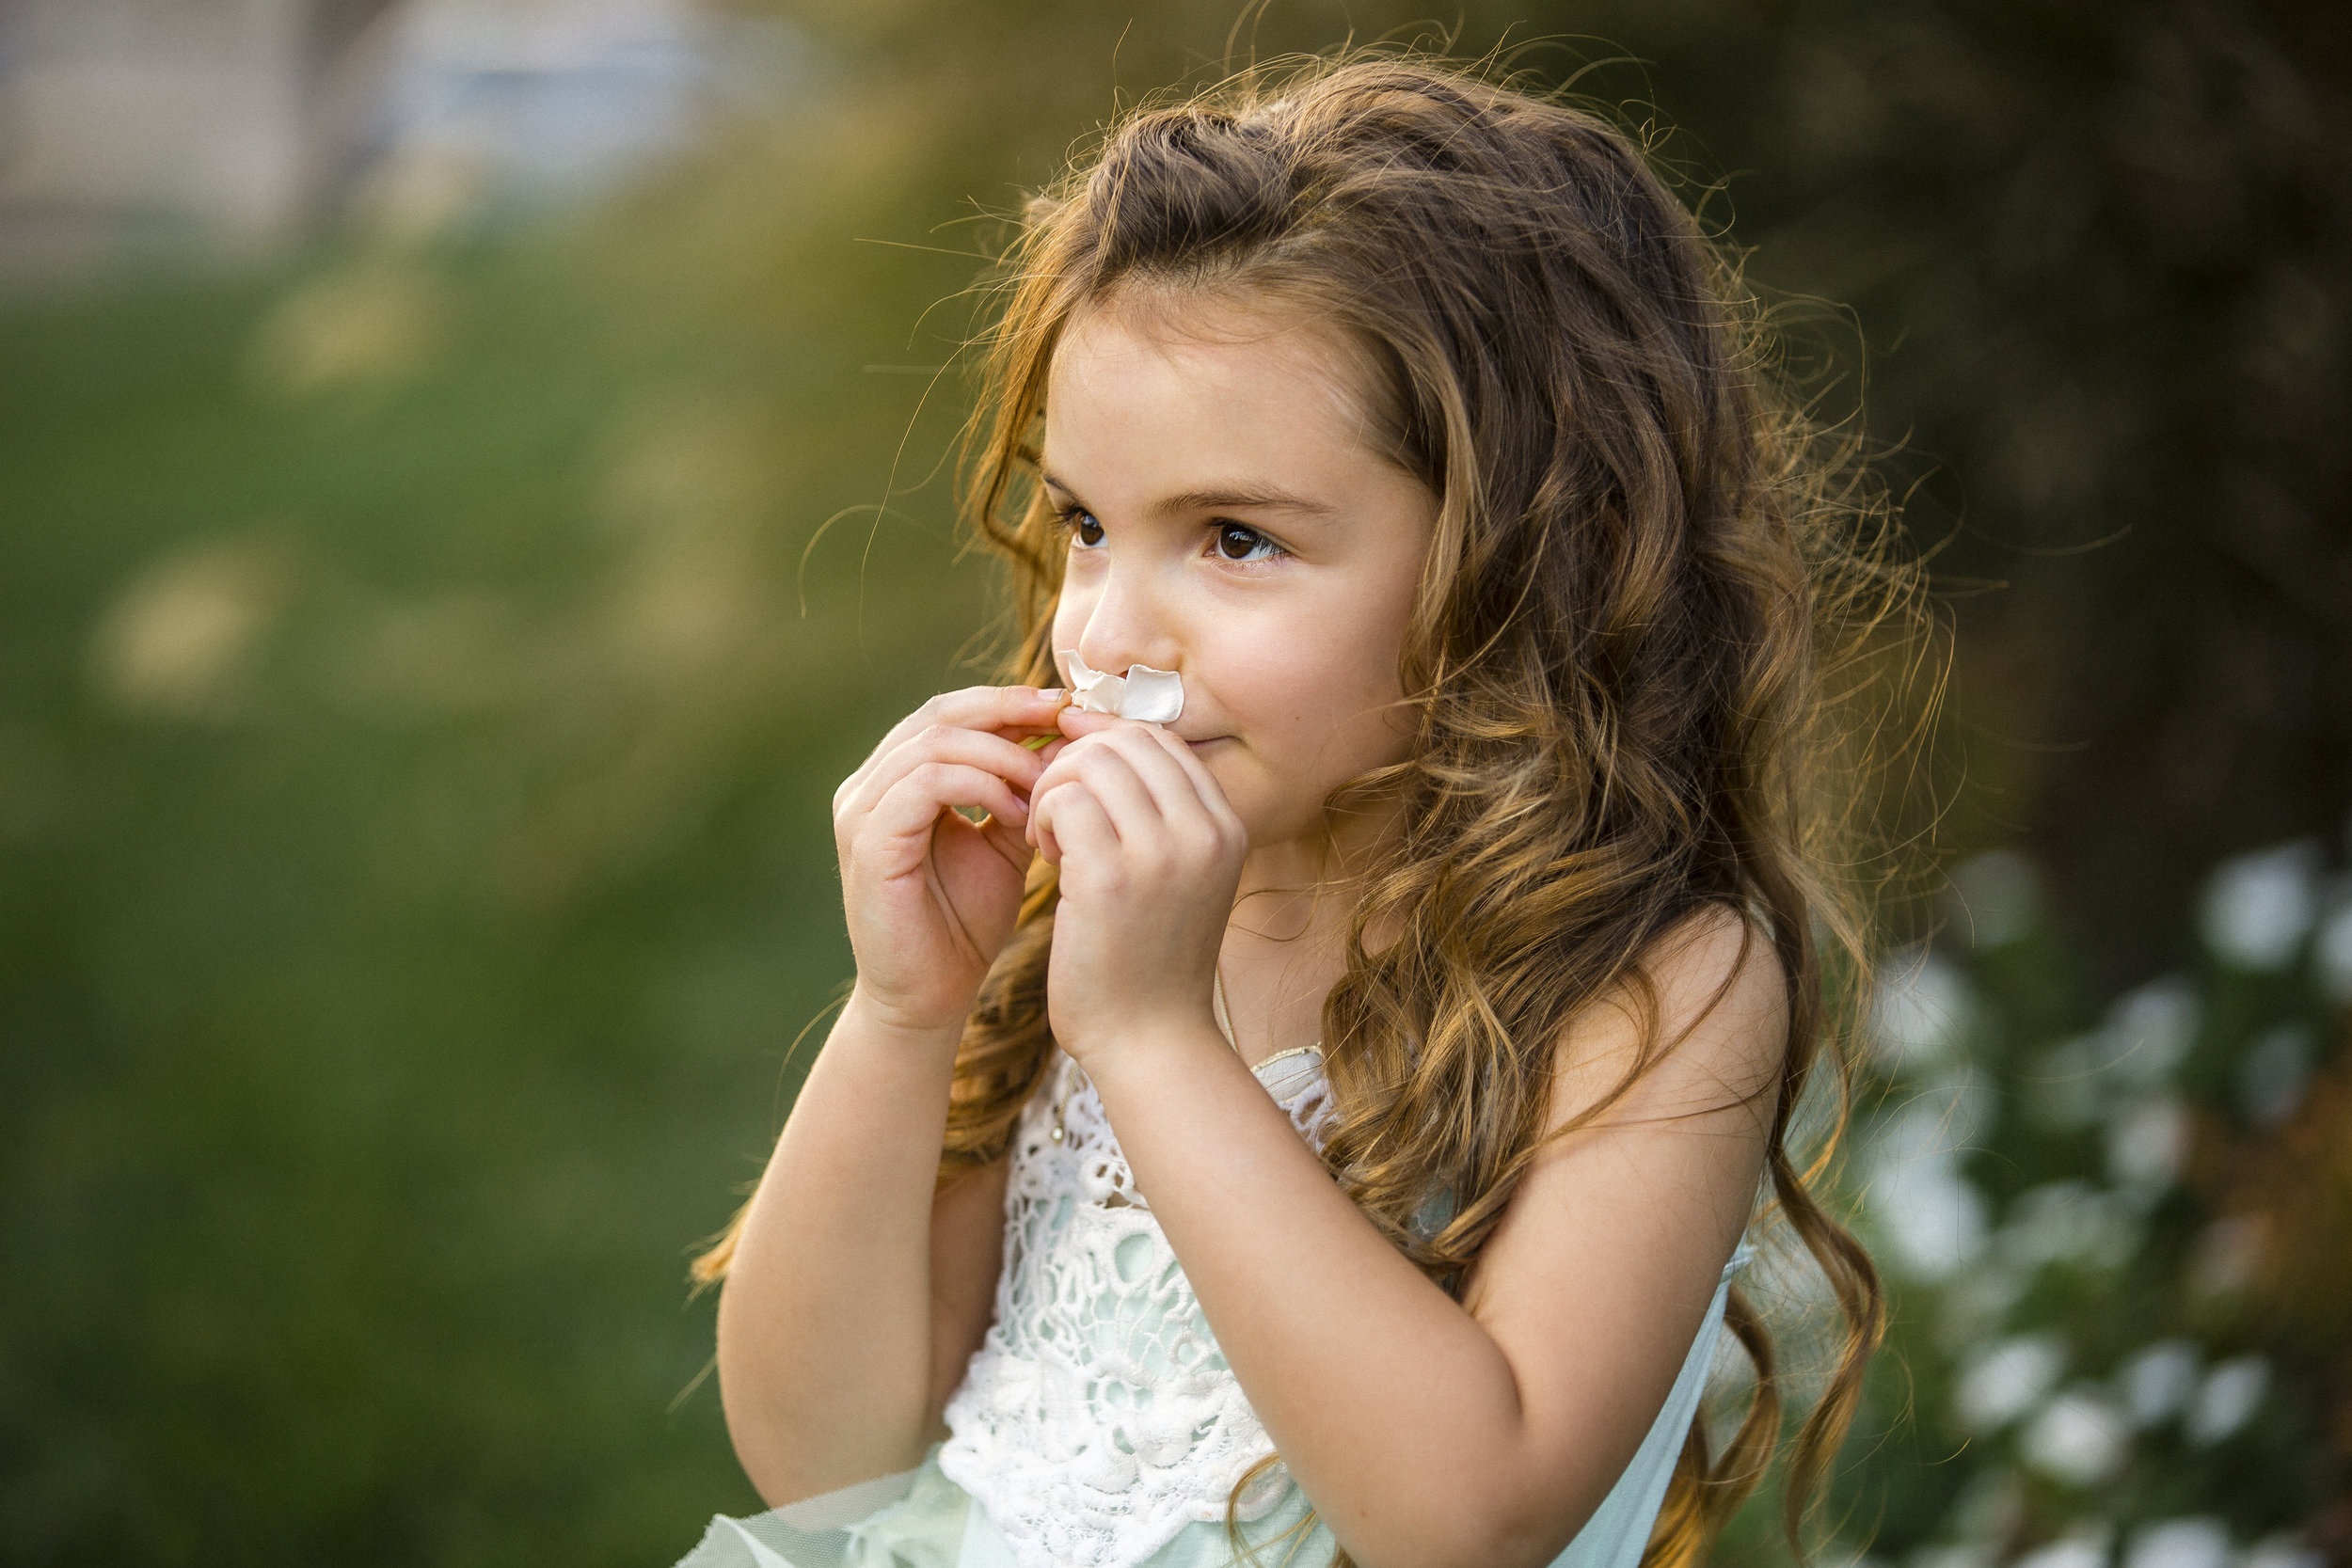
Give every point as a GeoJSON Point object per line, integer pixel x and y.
{"type": "Point", "coordinates": [1630, 661]}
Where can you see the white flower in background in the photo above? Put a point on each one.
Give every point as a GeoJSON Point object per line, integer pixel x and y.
{"type": "Point", "coordinates": [2068, 1222]}
{"type": "Point", "coordinates": [1998, 893]}
{"type": "Point", "coordinates": [2079, 1438]}
{"type": "Point", "coordinates": [2003, 1381]}
{"type": "Point", "coordinates": [2259, 907]}
{"type": "Point", "coordinates": [2147, 1030]}
{"type": "Point", "coordinates": [2157, 1381]}
{"type": "Point", "coordinates": [2271, 1077]}
{"type": "Point", "coordinates": [2084, 1547]}
{"type": "Point", "coordinates": [2332, 954]}
{"type": "Point", "coordinates": [2148, 1143]}
{"type": "Point", "coordinates": [1942, 1120]}
{"type": "Point", "coordinates": [1922, 1009]}
{"type": "Point", "coordinates": [1989, 1507]}
{"type": "Point", "coordinates": [1929, 1217]}
{"type": "Point", "coordinates": [2199, 1543]}
{"type": "Point", "coordinates": [1153, 696]}
{"type": "Point", "coordinates": [2282, 1551]}
{"type": "Point", "coordinates": [2144, 1037]}
{"type": "Point", "coordinates": [2228, 1398]}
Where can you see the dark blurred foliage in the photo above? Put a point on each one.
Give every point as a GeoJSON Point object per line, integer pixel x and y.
{"type": "Point", "coordinates": [2103, 258]}
{"type": "Point", "coordinates": [423, 663]}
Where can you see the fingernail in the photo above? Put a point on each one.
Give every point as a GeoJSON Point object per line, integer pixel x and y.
{"type": "Point", "coordinates": [1050, 694]}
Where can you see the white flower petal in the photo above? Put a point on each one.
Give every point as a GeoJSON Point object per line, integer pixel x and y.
{"type": "Point", "coordinates": [1153, 696]}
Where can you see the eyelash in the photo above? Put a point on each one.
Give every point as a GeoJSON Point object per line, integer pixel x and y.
{"type": "Point", "coordinates": [1067, 518]}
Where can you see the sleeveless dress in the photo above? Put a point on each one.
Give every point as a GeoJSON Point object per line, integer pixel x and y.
{"type": "Point", "coordinates": [1098, 1426]}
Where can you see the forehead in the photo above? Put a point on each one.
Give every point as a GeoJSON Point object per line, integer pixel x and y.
{"type": "Point", "coordinates": [1174, 367]}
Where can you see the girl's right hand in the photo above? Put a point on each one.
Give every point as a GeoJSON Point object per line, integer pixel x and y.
{"type": "Point", "coordinates": [932, 896]}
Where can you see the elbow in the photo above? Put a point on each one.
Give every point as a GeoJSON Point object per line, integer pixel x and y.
{"type": "Point", "coordinates": [1459, 1542]}
{"type": "Point", "coordinates": [1504, 1546]}
{"type": "Point", "coordinates": [1504, 1523]}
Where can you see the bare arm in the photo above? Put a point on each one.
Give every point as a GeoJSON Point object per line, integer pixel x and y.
{"type": "Point", "coordinates": [855, 1295]}
{"type": "Point", "coordinates": [967, 1253]}
{"type": "Point", "coordinates": [856, 1292]}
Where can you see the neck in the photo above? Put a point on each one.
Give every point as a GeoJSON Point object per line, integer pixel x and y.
{"type": "Point", "coordinates": [1285, 945]}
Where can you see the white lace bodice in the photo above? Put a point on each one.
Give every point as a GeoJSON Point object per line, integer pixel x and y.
{"type": "Point", "coordinates": [1098, 1417]}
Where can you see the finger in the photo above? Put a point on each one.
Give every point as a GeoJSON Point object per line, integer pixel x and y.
{"type": "Point", "coordinates": [1186, 758]}
{"type": "Point", "coordinates": [1014, 710]}
{"type": "Point", "coordinates": [1081, 828]}
{"type": "Point", "coordinates": [1189, 819]}
{"type": "Point", "coordinates": [1111, 776]}
{"type": "Point", "coordinates": [1152, 753]}
{"type": "Point", "coordinates": [1016, 765]}
{"type": "Point", "coordinates": [1040, 833]}
{"type": "Point", "coordinates": [992, 707]}
{"type": "Point", "coordinates": [1051, 797]}
{"type": "Point", "coordinates": [910, 808]}
{"type": "Point", "coordinates": [1075, 722]}
{"type": "Point", "coordinates": [1036, 832]}
{"type": "Point", "coordinates": [1204, 781]}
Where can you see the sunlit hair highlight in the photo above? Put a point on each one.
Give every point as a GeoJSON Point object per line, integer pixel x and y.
{"type": "Point", "coordinates": [1642, 627]}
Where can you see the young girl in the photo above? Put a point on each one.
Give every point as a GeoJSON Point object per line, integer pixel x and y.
{"type": "Point", "coordinates": [1323, 1123]}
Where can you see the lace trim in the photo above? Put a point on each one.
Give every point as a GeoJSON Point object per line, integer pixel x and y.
{"type": "Point", "coordinates": [1098, 1417]}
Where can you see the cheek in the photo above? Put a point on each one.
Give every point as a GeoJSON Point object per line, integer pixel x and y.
{"type": "Point", "coordinates": [1328, 705]}
{"type": "Point", "coordinates": [1365, 719]}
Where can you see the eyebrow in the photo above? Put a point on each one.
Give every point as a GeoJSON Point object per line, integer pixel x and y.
{"type": "Point", "coordinates": [1261, 496]}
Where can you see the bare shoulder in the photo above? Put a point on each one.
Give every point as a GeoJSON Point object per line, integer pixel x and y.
{"type": "Point", "coordinates": [1662, 1103]}
{"type": "Point", "coordinates": [1715, 951]}
{"type": "Point", "coordinates": [1701, 1024]}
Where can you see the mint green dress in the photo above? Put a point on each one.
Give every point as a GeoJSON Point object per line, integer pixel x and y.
{"type": "Point", "coordinates": [1098, 1426]}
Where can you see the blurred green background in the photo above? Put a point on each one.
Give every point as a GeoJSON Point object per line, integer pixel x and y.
{"type": "Point", "coordinates": [471, 481]}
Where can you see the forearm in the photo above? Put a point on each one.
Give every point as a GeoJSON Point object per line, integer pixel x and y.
{"type": "Point", "coordinates": [1394, 1408]}
{"type": "Point", "coordinates": [825, 1322]}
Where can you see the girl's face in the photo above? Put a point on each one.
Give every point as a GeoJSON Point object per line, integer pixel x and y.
{"type": "Point", "coordinates": [1225, 520]}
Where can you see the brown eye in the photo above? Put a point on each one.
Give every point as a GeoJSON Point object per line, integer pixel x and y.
{"type": "Point", "coordinates": [1089, 531]}
{"type": "Point", "coordinates": [1236, 543]}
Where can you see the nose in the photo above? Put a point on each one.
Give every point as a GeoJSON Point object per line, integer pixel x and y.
{"type": "Point", "coordinates": [1128, 622]}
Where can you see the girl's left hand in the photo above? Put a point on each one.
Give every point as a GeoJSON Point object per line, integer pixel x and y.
{"type": "Point", "coordinates": [1150, 853]}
